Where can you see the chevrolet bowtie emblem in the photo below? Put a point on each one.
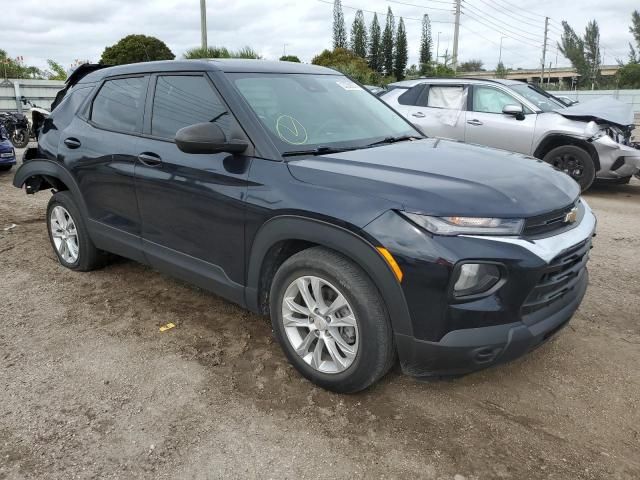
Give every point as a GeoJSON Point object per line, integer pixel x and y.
{"type": "Point", "coordinates": [571, 215]}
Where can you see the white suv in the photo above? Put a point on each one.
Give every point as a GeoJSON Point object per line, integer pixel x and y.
{"type": "Point", "coordinates": [586, 140]}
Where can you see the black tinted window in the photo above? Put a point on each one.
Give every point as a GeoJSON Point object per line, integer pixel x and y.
{"type": "Point", "coordinates": [119, 103]}
{"type": "Point", "coordinates": [70, 103]}
{"type": "Point", "coordinates": [410, 97]}
{"type": "Point", "coordinates": [182, 100]}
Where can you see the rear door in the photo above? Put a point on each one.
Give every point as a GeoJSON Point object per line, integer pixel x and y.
{"type": "Point", "coordinates": [100, 147]}
{"type": "Point", "coordinates": [439, 110]}
{"type": "Point", "coordinates": [191, 205]}
{"type": "Point", "coordinates": [487, 125]}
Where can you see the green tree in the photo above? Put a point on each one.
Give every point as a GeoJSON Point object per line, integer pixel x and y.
{"type": "Point", "coordinates": [375, 45]}
{"type": "Point", "coordinates": [426, 44]}
{"type": "Point", "coordinates": [402, 51]}
{"type": "Point", "coordinates": [347, 62]}
{"type": "Point", "coordinates": [501, 71]}
{"type": "Point", "coordinates": [634, 29]}
{"type": "Point", "coordinates": [15, 67]}
{"type": "Point", "coordinates": [220, 52]}
{"type": "Point", "coordinates": [289, 58]}
{"type": "Point", "coordinates": [339, 29]}
{"type": "Point", "coordinates": [359, 35]}
{"type": "Point", "coordinates": [629, 76]}
{"type": "Point", "coordinates": [136, 48]}
{"type": "Point", "coordinates": [582, 52]}
{"type": "Point", "coordinates": [387, 43]}
{"type": "Point", "coordinates": [474, 65]}
{"type": "Point", "coordinates": [592, 55]}
{"type": "Point", "coordinates": [57, 71]}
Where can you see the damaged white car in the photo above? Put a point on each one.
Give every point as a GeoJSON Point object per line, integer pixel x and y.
{"type": "Point", "coordinates": [587, 140]}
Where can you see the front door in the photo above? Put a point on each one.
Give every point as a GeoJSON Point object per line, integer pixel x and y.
{"type": "Point", "coordinates": [191, 205]}
{"type": "Point", "coordinates": [487, 125]}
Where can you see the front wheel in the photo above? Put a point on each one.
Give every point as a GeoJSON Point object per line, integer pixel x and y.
{"type": "Point", "coordinates": [20, 138]}
{"type": "Point", "coordinates": [575, 162]}
{"type": "Point", "coordinates": [330, 321]}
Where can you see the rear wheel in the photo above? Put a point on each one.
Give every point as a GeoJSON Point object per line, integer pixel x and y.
{"type": "Point", "coordinates": [331, 321]}
{"type": "Point", "coordinates": [575, 162]}
{"type": "Point", "coordinates": [69, 236]}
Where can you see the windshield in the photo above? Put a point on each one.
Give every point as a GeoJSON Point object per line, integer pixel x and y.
{"type": "Point", "coordinates": [544, 103]}
{"type": "Point", "coordinates": [303, 112]}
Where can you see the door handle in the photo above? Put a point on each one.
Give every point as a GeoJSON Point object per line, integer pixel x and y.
{"type": "Point", "coordinates": [72, 142]}
{"type": "Point", "coordinates": [149, 159]}
{"type": "Point", "coordinates": [475, 121]}
{"type": "Point", "coordinates": [418, 115]}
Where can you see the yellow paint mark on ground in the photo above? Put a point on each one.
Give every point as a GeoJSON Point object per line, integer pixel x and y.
{"type": "Point", "coordinates": [168, 326]}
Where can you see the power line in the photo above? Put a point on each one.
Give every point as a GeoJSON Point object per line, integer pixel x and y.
{"type": "Point", "coordinates": [521, 33]}
{"type": "Point", "coordinates": [518, 11]}
{"type": "Point", "coordinates": [422, 6]}
{"type": "Point", "coordinates": [492, 41]}
{"type": "Point", "coordinates": [382, 14]}
{"type": "Point", "coordinates": [508, 34]}
{"type": "Point", "coordinates": [513, 17]}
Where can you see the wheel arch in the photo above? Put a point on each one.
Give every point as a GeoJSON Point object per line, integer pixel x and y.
{"type": "Point", "coordinates": [554, 140]}
{"type": "Point", "coordinates": [40, 174]}
{"type": "Point", "coordinates": [298, 233]}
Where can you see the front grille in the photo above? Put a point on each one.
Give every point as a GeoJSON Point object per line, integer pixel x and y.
{"type": "Point", "coordinates": [559, 278]}
{"type": "Point", "coordinates": [548, 222]}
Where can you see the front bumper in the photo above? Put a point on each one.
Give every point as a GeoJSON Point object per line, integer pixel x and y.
{"type": "Point", "coordinates": [545, 282]}
{"type": "Point", "coordinates": [465, 351]}
{"type": "Point", "coordinates": [616, 160]}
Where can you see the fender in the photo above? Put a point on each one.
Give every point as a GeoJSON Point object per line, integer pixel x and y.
{"type": "Point", "coordinates": [50, 171]}
{"type": "Point", "coordinates": [290, 227]}
{"type": "Point", "coordinates": [558, 139]}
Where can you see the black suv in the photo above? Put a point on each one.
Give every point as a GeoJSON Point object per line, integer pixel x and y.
{"type": "Point", "coordinates": [291, 190]}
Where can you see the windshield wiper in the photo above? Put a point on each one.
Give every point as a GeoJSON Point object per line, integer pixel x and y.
{"type": "Point", "coordinates": [320, 150]}
{"type": "Point", "coordinates": [402, 138]}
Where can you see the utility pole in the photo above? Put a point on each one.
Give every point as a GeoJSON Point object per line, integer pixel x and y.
{"type": "Point", "coordinates": [438, 48]}
{"type": "Point", "coordinates": [203, 23]}
{"type": "Point", "coordinates": [544, 48]}
{"type": "Point", "coordinates": [500, 56]}
{"type": "Point", "coordinates": [456, 34]}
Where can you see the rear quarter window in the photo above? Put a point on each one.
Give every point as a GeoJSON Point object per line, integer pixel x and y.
{"type": "Point", "coordinates": [410, 97]}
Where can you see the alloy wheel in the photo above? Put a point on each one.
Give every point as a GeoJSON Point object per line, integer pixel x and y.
{"type": "Point", "coordinates": [569, 164]}
{"type": "Point", "coordinates": [64, 234]}
{"type": "Point", "coordinates": [320, 324]}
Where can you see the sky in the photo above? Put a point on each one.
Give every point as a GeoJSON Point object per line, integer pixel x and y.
{"type": "Point", "coordinates": [66, 30]}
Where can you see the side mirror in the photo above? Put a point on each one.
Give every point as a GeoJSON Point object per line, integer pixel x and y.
{"type": "Point", "coordinates": [514, 110]}
{"type": "Point", "coordinates": [23, 99]}
{"type": "Point", "coordinates": [207, 138]}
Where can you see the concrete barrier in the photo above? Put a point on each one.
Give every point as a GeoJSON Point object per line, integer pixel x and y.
{"type": "Point", "coordinates": [40, 92]}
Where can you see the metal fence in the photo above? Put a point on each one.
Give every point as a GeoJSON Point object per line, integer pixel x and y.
{"type": "Point", "coordinates": [39, 92]}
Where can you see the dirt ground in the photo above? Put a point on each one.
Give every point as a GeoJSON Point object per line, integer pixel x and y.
{"type": "Point", "coordinates": [89, 387]}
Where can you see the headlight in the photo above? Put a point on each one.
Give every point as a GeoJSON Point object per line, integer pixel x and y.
{"type": "Point", "coordinates": [468, 225]}
{"type": "Point", "coordinates": [475, 278]}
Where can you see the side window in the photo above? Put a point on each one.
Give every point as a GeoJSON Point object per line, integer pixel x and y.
{"type": "Point", "coordinates": [65, 111]}
{"type": "Point", "coordinates": [451, 97]}
{"type": "Point", "coordinates": [491, 100]}
{"type": "Point", "coordinates": [410, 97]}
{"type": "Point", "coordinates": [183, 100]}
{"type": "Point", "coordinates": [119, 103]}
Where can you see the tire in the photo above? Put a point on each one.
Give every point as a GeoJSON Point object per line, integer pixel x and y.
{"type": "Point", "coordinates": [5, 168]}
{"type": "Point", "coordinates": [574, 161]}
{"type": "Point", "coordinates": [362, 342]}
{"type": "Point", "coordinates": [62, 215]}
{"type": "Point", "coordinates": [20, 138]}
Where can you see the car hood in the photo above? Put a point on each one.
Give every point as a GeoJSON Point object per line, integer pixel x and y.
{"type": "Point", "coordinates": [606, 109]}
{"type": "Point", "coordinates": [441, 177]}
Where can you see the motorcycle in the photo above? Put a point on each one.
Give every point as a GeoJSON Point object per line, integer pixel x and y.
{"type": "Point", "coordinates": [17, 128]}
{"type": "Point", "coordinates": [38, 116]}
